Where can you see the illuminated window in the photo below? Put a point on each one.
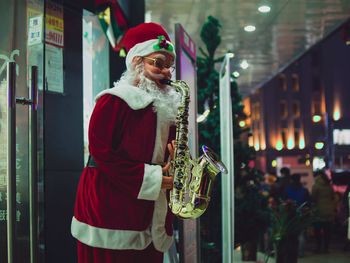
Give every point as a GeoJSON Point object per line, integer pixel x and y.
{"type": "Point", "coordinates": [283, 109]}
{"type": "Point", "coordinates": [257, 110]}
{"type": "Point", "coordinates": [253, 113]}
{"type": "Point", "coordinates": [282, 82]}
{"type": "Point", "coordinates": [318, 163]}
{"type": "Point", "coordinates": [296, 108]}
{"type": "Point", "coordinates": [295, 83]}
{"type": "Point", "coordinates": [341, 137]}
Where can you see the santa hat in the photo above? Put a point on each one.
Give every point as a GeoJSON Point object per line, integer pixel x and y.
{"type": "Point", "coordinates": [145, 39]}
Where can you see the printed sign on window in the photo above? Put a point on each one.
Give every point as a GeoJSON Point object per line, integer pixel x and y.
{"type": "Point", "coordinates": [54, 25]}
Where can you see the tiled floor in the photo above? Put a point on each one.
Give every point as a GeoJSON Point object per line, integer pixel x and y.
{"type": "Point", "coordinates": [332, 257]}
{"type": "Point", "coordinates": [335, 255]}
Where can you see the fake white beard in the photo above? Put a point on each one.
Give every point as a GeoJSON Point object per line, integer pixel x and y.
{"type": "Point", "coordinates": [166, 100]}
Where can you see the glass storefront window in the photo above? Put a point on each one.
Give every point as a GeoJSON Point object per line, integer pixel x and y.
{"type": "Point", "coordinates": [95, 67]}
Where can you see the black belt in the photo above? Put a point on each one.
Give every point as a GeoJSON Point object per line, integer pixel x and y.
{"type": "Point", "coordinates": [91, 162]}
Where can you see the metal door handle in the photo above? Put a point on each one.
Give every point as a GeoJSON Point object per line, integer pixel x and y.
{"type": "Point", "coordinates": [11, 158]}
{"type": "Point", "coordinates": [33, 175]}
{"type": "Point", "coordinates": [11, 168]}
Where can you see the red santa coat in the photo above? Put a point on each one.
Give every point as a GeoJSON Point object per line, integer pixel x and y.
{"type": "Point", "coordinates": [120, 204]}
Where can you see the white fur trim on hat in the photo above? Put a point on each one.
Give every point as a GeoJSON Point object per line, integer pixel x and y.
{"type": "Point", "coordinates": [144, 49]}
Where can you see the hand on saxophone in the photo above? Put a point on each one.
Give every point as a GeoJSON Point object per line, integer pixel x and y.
{"type": "Point", "coordinates": [167, 182]}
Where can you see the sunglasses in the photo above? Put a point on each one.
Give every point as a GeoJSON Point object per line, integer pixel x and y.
{"type": "Point", "coordinates": [160, 64]}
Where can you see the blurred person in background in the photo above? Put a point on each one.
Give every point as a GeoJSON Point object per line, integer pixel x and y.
{"type": "Point", "coordinates": [300, 195]}
{"type": "Point", "coordinates": [346, 205]}
{"type": "Point", "coordinates": [278, 190]}
{"type": "Point", "coordinates": [324, 201]}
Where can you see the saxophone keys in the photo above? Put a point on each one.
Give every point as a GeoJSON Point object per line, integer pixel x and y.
{"type": "Point", "coordinates": [178, 185]}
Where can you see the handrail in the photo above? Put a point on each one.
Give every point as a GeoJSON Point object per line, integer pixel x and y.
{"type": "Point", "coordinates": [11, 167]}
{"type": "Point", "coordinates": [11, 159]}
{"type": "Point", "coordinates": [33, 175]}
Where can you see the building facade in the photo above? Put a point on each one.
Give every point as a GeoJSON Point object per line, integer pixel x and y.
{"type": "Point", "coordinates": [300, 118]}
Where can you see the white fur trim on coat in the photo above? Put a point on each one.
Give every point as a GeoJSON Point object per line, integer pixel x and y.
{"type": "Point", "coordinates": [145, 48]}
{"type": "Point", "coordinates": [161, 241]}
{"type": "Point", "coordinates": [135, 97]}
{"type": "Point", "coordinates": [152, 181]}
{"type": "Point", "coordinates": [110, 238]}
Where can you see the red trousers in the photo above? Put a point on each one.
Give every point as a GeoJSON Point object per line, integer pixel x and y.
{"type": "Point", "coordinates": [87, 254]}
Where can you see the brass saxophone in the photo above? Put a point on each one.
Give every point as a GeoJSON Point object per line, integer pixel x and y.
{"type": "Point", "coordinates": [193, 179]}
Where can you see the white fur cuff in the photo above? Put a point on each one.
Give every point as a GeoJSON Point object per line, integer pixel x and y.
{"type": "Point", "coordinates": [151, 184]}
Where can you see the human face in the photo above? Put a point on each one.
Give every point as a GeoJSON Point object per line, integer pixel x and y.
{"type": "Point", "coordinates": [158, 66]}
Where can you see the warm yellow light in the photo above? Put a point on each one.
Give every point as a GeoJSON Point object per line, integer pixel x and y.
{"type": "Point", "coordinates": [336, 109]}
{"type": "Point", "coordinates": [319, 145]}
{"type": "Point", "coordinates": [241, 124]}
{"type": "Point", "coordinates": [316, 118]}
{"type": "Point", "coordinates": [257, 146]}
{"type": "Point", "coordinates": [274, 163]}
{"type": "Point", "coordinates": [336, 115]}
{"type": "Point", "coordinates": [307, 163]}
{"type": "Point", "coordinates": [263, 145]}
{"type": "Point", "coordinates": [301, 143]}
{"type": "Point", "coordinates": [279, 145]}
{"type": "Point", "coordinates": [290, 143]}
{"type": "Point", "coordinates": [250, 141]}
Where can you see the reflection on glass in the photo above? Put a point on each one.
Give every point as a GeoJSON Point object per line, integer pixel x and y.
{"type": "Point", "coordinates": [95, 67]}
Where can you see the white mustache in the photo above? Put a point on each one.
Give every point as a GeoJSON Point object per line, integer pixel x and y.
{"type": "Point", "coordinates": [156, 76]}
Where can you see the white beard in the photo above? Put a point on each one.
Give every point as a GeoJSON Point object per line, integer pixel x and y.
{"type": "Point", "coordinates": [166, 100]}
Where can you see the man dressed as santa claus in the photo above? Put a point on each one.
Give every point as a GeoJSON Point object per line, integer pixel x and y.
{"type": "Point", "coordinates": [121, 211]}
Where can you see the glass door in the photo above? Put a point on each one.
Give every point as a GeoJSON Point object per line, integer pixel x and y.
{"type": "Point", "coordinates": [21, 129]}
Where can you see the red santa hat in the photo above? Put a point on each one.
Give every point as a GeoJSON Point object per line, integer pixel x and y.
{"type": "Point", "coordinates": [145, 39]}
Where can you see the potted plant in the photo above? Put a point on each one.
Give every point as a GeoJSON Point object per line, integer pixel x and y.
{"type": "Point", "coordinates": [287, 223]}
{"type": "Point", "coordinates": [251, 212]}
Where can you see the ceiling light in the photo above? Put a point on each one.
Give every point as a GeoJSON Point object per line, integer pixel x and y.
{"type": "Point", "coordinates": [244, 64]}
{"type": "Point", "coordinates": [264, 9]}
{"type": "Point", "coordinates": [249, 28]}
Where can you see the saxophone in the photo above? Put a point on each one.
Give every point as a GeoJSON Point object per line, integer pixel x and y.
{"type": "Point", "coordinates": [193, 179]}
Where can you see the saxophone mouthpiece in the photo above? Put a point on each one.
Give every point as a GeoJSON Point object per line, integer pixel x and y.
{"type": "Point", "coordinates": [165, 81]}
